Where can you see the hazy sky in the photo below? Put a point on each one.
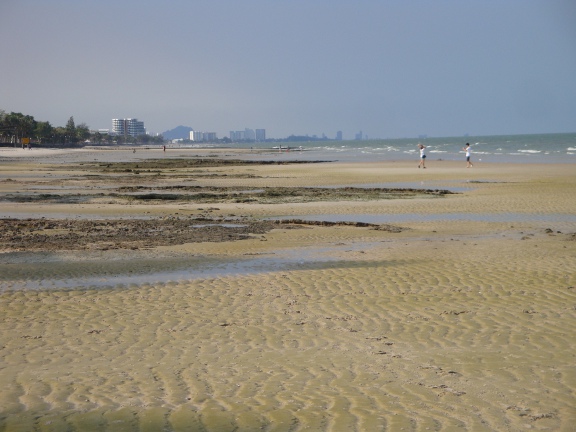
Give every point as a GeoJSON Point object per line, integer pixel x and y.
{"type": "Point", "coordinates": [388, 68]}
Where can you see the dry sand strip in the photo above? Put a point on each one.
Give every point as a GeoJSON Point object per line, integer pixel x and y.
{"type": "Point", "coordinates": [452, 324]}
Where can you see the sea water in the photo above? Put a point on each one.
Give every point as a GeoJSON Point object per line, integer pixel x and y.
{"type": "Point", "coordinates": [543, 148]}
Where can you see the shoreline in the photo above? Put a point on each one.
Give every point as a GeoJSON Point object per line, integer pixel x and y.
{"type": "Point", "coordinates": [297, 153]}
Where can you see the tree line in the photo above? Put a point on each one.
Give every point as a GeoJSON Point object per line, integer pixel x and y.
{"type": "Point", "coordinates": [17, 128]}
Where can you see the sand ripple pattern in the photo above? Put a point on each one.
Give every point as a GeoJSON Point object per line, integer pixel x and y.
{"type": "Point", "coordinates": [458, 339]}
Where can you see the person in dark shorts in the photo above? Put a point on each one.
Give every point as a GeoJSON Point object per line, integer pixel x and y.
{"type": "Point", "coordinates": [422, 156]}
{"type": "Point", "coordinates": [466, 148]}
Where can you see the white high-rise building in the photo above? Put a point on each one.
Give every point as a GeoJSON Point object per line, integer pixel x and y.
{"type": "Point", "coordinates": [128, 126]}
{"type": "Point", "coordinates": [196, 136]}
{"type": "Point", "coordinates": [203, 136]}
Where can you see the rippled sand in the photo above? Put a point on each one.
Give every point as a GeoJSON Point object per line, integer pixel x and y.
{"type": "Point", "coordinates": [449, 325]}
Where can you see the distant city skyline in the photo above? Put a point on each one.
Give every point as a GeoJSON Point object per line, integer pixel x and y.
{"type": "Point", "coordinates": [388, 68]}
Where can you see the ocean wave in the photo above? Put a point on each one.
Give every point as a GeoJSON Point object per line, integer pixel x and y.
{"type": "Point", "coordinates": [530, 151]}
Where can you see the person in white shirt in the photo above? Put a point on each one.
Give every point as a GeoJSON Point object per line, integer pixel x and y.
{"type": "Point", "coordinates": [422, 156]}
{"type": "Point", "coordinates": [466, 148]}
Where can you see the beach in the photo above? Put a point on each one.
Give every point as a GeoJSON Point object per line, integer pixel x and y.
{"type": "Point", "coordinates": [163, 294]}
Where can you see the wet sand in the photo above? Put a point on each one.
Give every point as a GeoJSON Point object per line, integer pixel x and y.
{"type": "Point", "coordinates": [451, 323]}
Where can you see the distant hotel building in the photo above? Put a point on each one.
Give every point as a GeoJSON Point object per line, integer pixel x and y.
{"type": "Point", "coordinates": [248, 135]}
{"type": "Point", "coordinates": [209, 136]}
{"type": "Point", "coordinates": [203, 136]}
{"type": "Point", "coordinates": [237, 136]}
{"type": "Point", "coordinates": [196, 136]}
{"type": "Point", "coordinates": [128, 126]}
{"type": "Point", "coordinates": [260, 134]}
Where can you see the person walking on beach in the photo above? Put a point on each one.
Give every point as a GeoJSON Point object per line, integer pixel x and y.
{"type": "Point", "coordinates": [422, 156]}
{"type": "Point", "coordinates": [466, 148]}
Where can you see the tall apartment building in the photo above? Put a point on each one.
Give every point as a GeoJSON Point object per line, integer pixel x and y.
{"type": "Point", "coordinates": [237, 136]}
{"type": "Point", "coordinates": [260, 134]}
{"type": "Point", "coordinates": [196, 136]}
{"type": "Point", "coordinates": [248, 135]}
{"type": "Point", "coordinates": [129, 126]}
{"type": "Point", "coordinates": [209, 137]}
{"type": "Point", "coordinates": [203, 136]}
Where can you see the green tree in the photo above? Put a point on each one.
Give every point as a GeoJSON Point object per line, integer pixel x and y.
{"type": "Point", "coordinates": [3, 129]}
{"type": "Point", "coordinates": [19, 125]}
{"type": "Point", "coordinates": [82, 132]}
{"type": "Point", "coordinates": [109, 139]}
{"type": "Point", "coordinates": [144, 139]}
{"type": "Point", "coordinates": [43, 132]}
{"type": "Point", "coordinates": [71, 131]}
{"type": "Point", "coordinates": [59, 134]}
{"type": "Point", "coordinates": [97, 137]}
{"type": "Point", "coordinates": [159, 139]}
{"type": "Point", "coordinates": [70, 125]}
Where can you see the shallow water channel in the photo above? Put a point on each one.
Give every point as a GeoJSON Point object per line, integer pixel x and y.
{"type": "Point", "coordinates": [42, 271]}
